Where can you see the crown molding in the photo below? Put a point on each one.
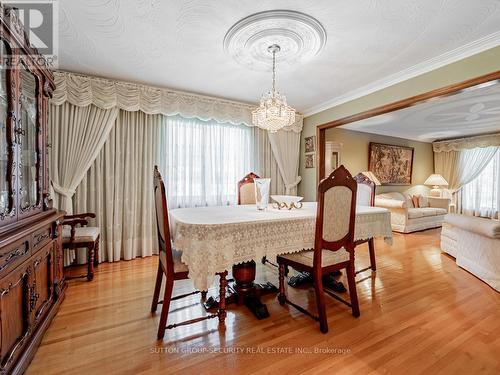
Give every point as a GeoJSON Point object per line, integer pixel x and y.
{"type": "Point", "coordinates": [460, 53]}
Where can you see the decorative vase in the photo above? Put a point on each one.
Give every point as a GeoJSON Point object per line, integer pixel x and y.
{"type": "Point", "coordinates": [262, 189]}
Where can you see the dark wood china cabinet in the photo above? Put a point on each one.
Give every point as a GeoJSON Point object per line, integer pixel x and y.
{"type": "Point", "coordinates": [31, 279]}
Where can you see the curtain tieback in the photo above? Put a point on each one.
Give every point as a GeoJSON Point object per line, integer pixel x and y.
{"type": "Point", "coordinates": [291, 186]}
{"type": "Point", "coordinates": [67, 192]}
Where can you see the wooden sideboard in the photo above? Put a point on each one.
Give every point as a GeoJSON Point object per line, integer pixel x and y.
{"type": "Point", "coordinates": [31, 276]}
{"type": "Point", "coordinates": [31, 289]}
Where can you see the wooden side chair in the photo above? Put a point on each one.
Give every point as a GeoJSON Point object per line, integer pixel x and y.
{"type": "Point", "coordinates": [333, 245]}
{"type": "Point", "coordinates": [171, 266]}
{"type": "Point", "coordinates": [366, 197]}
{"type": "Point", "coordinates": [76, 235]}
{"type": "Point", "coordinates": [246, 189]}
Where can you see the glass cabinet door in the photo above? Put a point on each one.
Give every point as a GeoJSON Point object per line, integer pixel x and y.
{"type": "Point", "coordinates": [28, 140]}
{"type": "Point", "coordinates": [5, 150]}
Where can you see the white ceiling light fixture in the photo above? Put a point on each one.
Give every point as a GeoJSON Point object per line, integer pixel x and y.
{"type": "Point", "coordinates": [273, 112]}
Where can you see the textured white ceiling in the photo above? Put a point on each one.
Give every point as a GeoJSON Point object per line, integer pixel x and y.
{"type": "Point", "coordinates": [472, 112]}
{"type": "Point", "coordinates": [179, 44]}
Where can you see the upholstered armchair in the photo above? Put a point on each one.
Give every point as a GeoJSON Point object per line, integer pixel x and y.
{"type": "Point", "coordinates": [406, 218]}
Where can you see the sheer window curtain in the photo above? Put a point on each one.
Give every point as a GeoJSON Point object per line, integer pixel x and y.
{"type": "Point", "coordinates": [460, 167]}
{"type": "Point", "coordinates": [481, 196]}
{"type": "Point", "coordinates": [201, 161]}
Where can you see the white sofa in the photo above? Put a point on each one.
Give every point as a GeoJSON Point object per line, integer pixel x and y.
{"type": "Point", "coordinates": [475, 244]}
{"type": "Point", "coordinates": [406, 218]}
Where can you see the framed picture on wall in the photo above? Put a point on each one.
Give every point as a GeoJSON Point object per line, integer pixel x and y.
{"type": "Point", "coordinates": [310, 144]}
{"type": "Point", "coordinates": [310, 161]}
{"type": "Point", "coordinates": [393, 165]}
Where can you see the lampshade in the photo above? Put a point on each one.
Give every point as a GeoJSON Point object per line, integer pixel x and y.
{"type": "Point", "coordinates": [372, 177]}
{"type": "Point", "coordinates": [436, 180]}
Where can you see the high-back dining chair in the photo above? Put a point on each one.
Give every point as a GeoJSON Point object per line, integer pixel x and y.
{"type": "Point", "coordinates": [333, 244]}
{"type": "Point", "coordinates": [171, 266]}
{"type": "Point", "coordinates": [366, 197]}
{"type": "Point", "coordinates": [246, 189]}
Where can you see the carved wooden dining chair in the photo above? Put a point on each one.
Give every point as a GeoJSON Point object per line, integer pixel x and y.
{"type": "Point", "coordinates": [76, 235]}
{"type": "Point", "coordinates": [171, 266]}
{"type": "Point", "coordinates": [333, 244]}
{"type": "Point", "coordinates": [366, 197]}
{"type": "Point", "coordinates": [246, 189]}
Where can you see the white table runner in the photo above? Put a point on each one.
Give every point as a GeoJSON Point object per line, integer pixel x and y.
{"type": "Point", "coordinates": [212, 239]}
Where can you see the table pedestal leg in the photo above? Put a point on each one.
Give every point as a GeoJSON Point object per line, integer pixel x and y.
{"type": "Point", "coordinates": [245, 291]}
{"type": "Point", "coordinates": [244, 276]}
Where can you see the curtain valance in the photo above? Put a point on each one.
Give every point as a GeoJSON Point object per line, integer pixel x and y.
{"type": "Point", "coordinates": [81, 90]}
{"type": "Point", "coordinates": [489, 140]}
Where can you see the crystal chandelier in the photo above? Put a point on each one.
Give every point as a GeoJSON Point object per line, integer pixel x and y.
{"type": "Point", "coordinates": [273, 113]}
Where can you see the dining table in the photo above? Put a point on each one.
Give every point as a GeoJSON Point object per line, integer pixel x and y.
{"type": "Point", "coordinates": [221, 238]}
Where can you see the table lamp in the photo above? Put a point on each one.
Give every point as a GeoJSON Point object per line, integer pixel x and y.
{"type": "Point", "coordinates": [435, 180]}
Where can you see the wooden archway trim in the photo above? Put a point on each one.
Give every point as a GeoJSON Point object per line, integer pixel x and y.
{"type": "Point", "coordinates": [391, 107]}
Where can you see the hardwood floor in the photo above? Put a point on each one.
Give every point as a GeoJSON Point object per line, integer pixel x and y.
{"type": "Point", "coordinates": [420, 313]}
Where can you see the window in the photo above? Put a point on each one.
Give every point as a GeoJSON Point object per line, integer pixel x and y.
{"type": "Point", "coordinates": [481, 197]}
{"type": "Point", "coordinates": [204, 160]}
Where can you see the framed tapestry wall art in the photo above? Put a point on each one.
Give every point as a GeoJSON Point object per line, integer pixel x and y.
{"type": "Point", "coordinates": [393, 165]}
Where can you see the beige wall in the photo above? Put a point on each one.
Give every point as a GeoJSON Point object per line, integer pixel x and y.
{"type": "Point", "coordinates": [471, 67]}
{"type": "Point", "coordinates": [355, 146]}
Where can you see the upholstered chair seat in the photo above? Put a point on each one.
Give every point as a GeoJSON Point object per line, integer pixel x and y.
{"type": "Point", "coordinates": [82, 234]}
{"type": "Point", "coordinates": [178, 265]}
{"type": "Point", "coordinates": [77, 236]}
{"type": "Point", "coordinates": [328, 258]}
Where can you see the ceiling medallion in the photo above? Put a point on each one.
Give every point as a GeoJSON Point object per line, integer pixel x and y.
{"type": "Point", "coordinates": [299, 36]}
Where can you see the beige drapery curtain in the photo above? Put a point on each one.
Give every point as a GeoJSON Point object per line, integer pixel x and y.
{"type": "Point", "coordinates": [286, 150]}
{"type": "Point", "coordinates": [266, 165]}
{"type": "Point", "coordinates": [447, 164]}
{"type": "Point", "coordinates": [118, 187]}
{"type": "Point", "coordinates": [76, 135]}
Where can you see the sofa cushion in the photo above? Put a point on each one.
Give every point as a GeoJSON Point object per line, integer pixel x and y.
{"type": "Point", "coordinates": [392, 195]}
{"type": "Point", "coordinates": [409, 201]}
{"type": "Point", "coordinates": [415, 213]}
{"type": "Point", "coordinates": [428, 211]}
{"type": "Point", "coordinates": [414, 200]}
{"type": "Point", "coordinates": [440, 211]}
{"type": "Point", "coordinates": [485, 227]}
{"type": "Point", "coordinates": [423, 201]}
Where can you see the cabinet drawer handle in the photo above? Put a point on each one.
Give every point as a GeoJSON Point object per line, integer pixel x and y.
{"type": "Point", "coordinates": [12, 256]}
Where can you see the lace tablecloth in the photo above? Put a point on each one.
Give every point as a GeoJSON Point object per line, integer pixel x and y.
{"type": "Point", "coordinates": [212, 239]}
